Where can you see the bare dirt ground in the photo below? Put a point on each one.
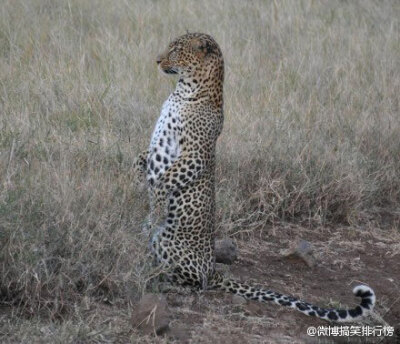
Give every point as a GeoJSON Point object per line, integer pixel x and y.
{"type": "Point", "coordinates": [345, 257]}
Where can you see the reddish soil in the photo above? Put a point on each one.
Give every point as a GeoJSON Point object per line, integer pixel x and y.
{"type": "Point", "coordinates": [345, 257]}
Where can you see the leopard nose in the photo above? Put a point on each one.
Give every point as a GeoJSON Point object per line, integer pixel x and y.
{"type": "Point", "coordinates": [158, 59]}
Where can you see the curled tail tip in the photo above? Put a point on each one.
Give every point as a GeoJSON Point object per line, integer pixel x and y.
{"type": "Point", "coordinates": [367, 296]}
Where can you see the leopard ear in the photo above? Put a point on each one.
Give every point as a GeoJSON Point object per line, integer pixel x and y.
{"type": "Point", "coordinates": [201, 46]}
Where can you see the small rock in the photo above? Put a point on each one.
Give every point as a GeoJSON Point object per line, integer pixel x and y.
{"type": "Point", "coordinates": [225, 251]}
{"type": "Point", "coordinates": [238, 300]}
{"type": "Point", "coordinates": [151, 315]}
{"type": "Point", "coordinates": [301, 250]}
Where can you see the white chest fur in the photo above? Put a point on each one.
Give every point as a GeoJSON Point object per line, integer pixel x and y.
{"type": "Point", "coordinates": [164, 145]}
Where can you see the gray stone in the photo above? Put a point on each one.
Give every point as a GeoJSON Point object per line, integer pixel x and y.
{"type": "Point", "coordinates": [225, 251]}
{"type": "Point", "coordinates": [238, 300]}
{"type": "Point", "coordinates": [151, 315]}
{"type": "Point", "coordinates": [301, 250]}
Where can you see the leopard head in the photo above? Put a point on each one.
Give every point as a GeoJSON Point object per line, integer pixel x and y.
{"type": "Point", "coordinates": [190, 54]}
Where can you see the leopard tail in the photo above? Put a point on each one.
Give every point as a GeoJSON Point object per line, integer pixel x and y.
{"type": "Point", "coordinates": [367, 295]}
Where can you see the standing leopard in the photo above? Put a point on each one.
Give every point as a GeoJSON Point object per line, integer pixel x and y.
{"type": "Point", "coordinates": [179, 168]}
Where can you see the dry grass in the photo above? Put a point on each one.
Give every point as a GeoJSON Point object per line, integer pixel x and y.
{"type": "Point", "coordinates": [312, 132]}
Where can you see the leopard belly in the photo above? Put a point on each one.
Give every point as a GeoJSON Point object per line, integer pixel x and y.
{"type": "Point", "coordinates": [164, 145]}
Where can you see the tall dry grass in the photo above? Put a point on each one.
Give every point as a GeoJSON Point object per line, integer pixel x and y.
{"type": "Point", "coordinates": [312, 129]}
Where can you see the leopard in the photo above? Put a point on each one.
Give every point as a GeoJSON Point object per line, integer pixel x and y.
{"type": "Point", "coordinates": [178, 169]}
